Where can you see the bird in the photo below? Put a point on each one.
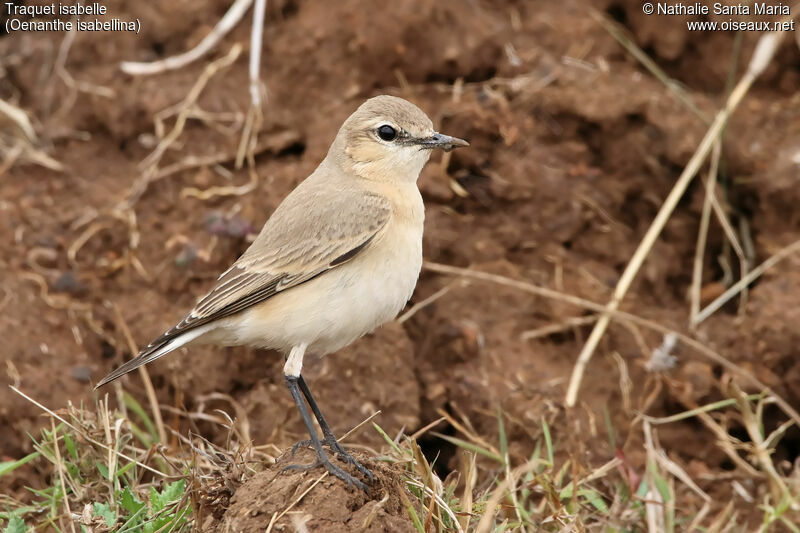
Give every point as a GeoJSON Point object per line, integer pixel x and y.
{"type": "Point", "coordinates": [339, 256]}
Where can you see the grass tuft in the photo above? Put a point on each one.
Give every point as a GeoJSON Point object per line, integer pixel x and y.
{"type": "Point", "coordinates": [106, 473]}
{"type": "Point", "coordinates": [94, 482]}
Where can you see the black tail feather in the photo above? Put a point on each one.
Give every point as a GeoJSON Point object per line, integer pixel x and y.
{"type": "Point", "coordinates": [151, 353]}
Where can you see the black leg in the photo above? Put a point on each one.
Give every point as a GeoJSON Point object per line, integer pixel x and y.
{"type": "Point", "coordinates": [328, 437]}
{"type": "Point", "coordinates": [322, 458]}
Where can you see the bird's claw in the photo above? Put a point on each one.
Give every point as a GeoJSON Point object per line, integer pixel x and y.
{"type": "Point", "coordinates": [347, 458]}
{"type": "Point", "coordinates": [333, 470]}
{"type": "Point", "coordinates": [341, 454]}
{"type": "Point", "coordinates": [302, 468]}
{"type": "Point", "coordinates": [302, 444]}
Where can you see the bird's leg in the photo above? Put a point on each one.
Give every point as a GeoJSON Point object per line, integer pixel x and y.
{"type": "Point", "coordinates": [322, 458]}
{"type": "Point", "coordinates": [291, 370]}
{"type": "Point", "coordinates": [328, 437]}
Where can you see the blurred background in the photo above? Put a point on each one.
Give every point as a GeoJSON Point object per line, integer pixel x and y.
{"type": "Point", "coordinates": [123, 196]}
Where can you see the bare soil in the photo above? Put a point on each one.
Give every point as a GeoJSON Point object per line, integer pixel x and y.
{"type": "Point", "coordinates": [574, 146]}
{"type": "Point", "coordinates": [331, 506]}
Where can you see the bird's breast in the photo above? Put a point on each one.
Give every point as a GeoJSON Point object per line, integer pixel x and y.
{"type": "Point", "coordinates": [339, 306]}
{"type": "Point", "coordinates": [366, 292]}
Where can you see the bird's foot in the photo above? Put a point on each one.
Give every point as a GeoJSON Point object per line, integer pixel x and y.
{"type": "Point", "coordinates": [333, 470]}
{"type": "Point", "coordinates": [302, 444]}
{"type": "Point", "coordinates": [345, 457]}
{"type": "Point", "coordinates": [341, 454]}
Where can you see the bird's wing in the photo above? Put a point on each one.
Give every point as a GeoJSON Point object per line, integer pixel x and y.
{"type": "Point", "coordinates": [319, 244]}
{"type": "Point", "coordinates": [310, 233]}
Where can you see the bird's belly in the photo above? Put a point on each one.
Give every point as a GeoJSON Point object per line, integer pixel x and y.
{"type": "Point", "coordinates": [334, 309]}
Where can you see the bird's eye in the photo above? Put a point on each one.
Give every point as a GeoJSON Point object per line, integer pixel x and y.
{"type": "Point", "coordinates": [387, 133]}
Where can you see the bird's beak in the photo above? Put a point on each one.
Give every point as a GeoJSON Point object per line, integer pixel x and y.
{"type": "Point", "coordinates": [440, 140]}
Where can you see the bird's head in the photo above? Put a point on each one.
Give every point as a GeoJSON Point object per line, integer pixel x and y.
{"type": "Point", "coordinates": [388, 138]}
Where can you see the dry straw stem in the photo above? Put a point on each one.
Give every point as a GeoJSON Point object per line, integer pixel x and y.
{"type": "Point", "coordinates": [764, 52]}
{"type": "Point", "coordinates": [253, 121]}
{"type": "Point", "coordinates": [148, 384]}
{"type": "Point", "coordinates": [654, 503]}
{"type": "Point", "coordinates": [276, 516]}
{"type": "Point", "coordinates": [151, 161]}
{"type": "Point", "coordinates": [19, 118]}
{"type": "Point", "coordinates": [619, 315]}
{"type": "Point", "coordinates": [60, 467]}
{"type": "Point", "coordinates": [724, 440]}
{"type": "Point", "coordinates": [711, 203]}
{"type": "Point", "coordinates": [223, 27]}
{"type": "Point", "coordinates": [674, 468]}
{"type": "Point", "coordinates": [551, 329]}
{"type": "Point", "coordinates": [727, 228]}
{"type": "Point", "coordinates": [470, 478]}
{"type": "Point", "coordinates": [625, 382]}
{"type": "Point", "coordinates": [424, 303]}
{"type": "Point", "coordinates": [740, 285]}
{"type": "Point", "coordinates": [88, 437]}
{"type": "Point", "coordinates": [702, 233]}
{"type": "Point", "coordinates": [17, 142]}
{"type": "Point", "coordinates": [227, 190]}
{"type": "Point", "coordinates": [242, 421]}
{"type": "Point", "coordinates": [509, 483]}
{"type": "Point", "coordinates": [618, 33]}
{"type": "Point", "coordinates": [74, 86]}
{"type": "Point", "coordinates": [440, 503]}
{"type": "Point", "coordinates": [760, 448]}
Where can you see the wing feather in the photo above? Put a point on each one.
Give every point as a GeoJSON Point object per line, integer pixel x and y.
{"type": "Point", "coordinates": [284, 256]}
{"type": "Point", "coordinates": [303, 239]}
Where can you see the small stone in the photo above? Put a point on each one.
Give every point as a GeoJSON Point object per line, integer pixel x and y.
{"type": "Point", "coordinates": [69, 283]}
{"type": "Point", "coordinates": [238, 228]}
{"type": "Point", "coordinates": [698, 379]}
{"type": "Point", "coordinates": [214, 223]}
{"type": "Point", "coordinates": [81, 373]}
{"type": "Point", "coordinates": [187, 255]}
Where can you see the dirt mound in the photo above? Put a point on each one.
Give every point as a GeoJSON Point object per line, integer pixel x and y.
{"type": "Point", "coordinates": [277, 497]}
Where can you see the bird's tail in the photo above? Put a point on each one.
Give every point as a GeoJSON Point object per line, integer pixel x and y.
{"type": "Point", "coordinates": [152, 352]}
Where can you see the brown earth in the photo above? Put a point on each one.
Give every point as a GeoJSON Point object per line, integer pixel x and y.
{"type": "Point", "coordinates": [574, 146]}
{"type": "Point", "coordinates": [331, 506]}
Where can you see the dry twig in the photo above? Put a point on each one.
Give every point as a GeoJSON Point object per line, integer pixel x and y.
{"type": "Point", "coordinates": [721, 300]}
{"type": "Point", "coordinates": [762, 55]}
{"type": "Point", "coordinates": [223, 27]}
{"type": "Point", "coordinates": [144, 374]}
{"type": "Point", "coordinates": [619, 315]}
{"type": "Point", "coordinates": [702, 232]}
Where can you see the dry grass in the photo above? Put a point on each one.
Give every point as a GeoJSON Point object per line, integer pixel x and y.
{"type": "Point", "coordinates": [19, 143]}
{"type": "Point", "coordinates": [108, 472]}
{"type": "Point", "coordinates": [552, 490]}
{"type": "Point", "coordinates": [767, 46]}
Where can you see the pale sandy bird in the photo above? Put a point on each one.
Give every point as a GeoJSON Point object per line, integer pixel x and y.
{"type": "Point", "coordinates": [339, 256]}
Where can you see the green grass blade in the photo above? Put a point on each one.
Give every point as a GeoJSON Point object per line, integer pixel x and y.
{"type": "Point", "coordinates": [9, 466]}
{"type": "Point", "coordinates": [387, 438]}
{"type": "Point", "coordinates": [136, 407]}
{"type": "Point", "coordinates": [15, 525]}
{"type": "Point", "coordinates": [469, 446]}
{"type": "Point", "coordinates": [612, 436]}
{"type": "Point", "coordinates": [501, 431]}
{"type": "Point", "coordinates": [548, 441]}
{"type": "Point", "coordinates": [412, 513]}
{"type": "Point", "coordinates": [594, 499]}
